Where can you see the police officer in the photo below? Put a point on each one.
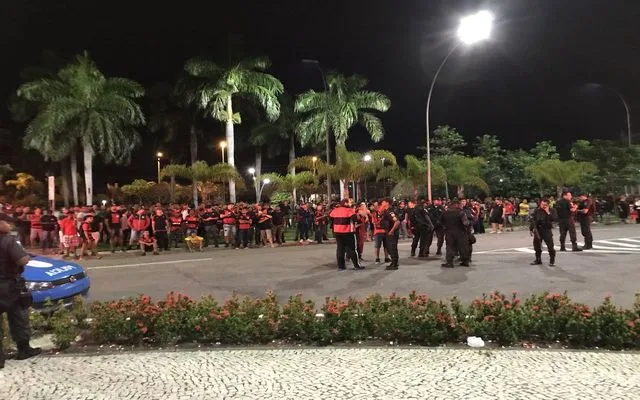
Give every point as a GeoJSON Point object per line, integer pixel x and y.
{"type": "Point", "coordinates": [343, 220]}
{"type": "Point", "coordinates": [566, 211]}
{"type": "Point", "coordinates": [541, 229]}
{"type": "Point", "coordinates": [473, 218]}
{"type": "Point", "coordinates": [13, 297]}
{"type": "Point", "coordinates": [456, 229]}
{"type": "Point", "coordinates": [585, 212]}
{"type": "Point", "coordinates": [391, 225]}
{"type": "Point", "coordinates": [421, 225]}
{"type": "Point", "coordinates": [435, 212]}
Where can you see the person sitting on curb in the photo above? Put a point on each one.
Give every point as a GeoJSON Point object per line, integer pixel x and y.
{"type": "Point", "coordinates": [148, 243]}
{"type": "Point", "coordinates": [194, 242]}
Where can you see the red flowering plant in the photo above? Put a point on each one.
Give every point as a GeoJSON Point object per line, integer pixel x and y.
{"type": "Point", "coordinates": [175, 319]}
{"type": "Point", "coordinates": [343, 321]}
{"type": "Point", "coordinates": [606, 327]}
{"type": "Point", "coordinates": [248, 320]}
{"type": "Point", "coordinates": [633, 322]}
{"type": "Point", "coordinates": [125, 321]}
{"type": "Point", "coordinates": [298, 320]}
{"type": "Point", "coordinates": [550, 316]}
{"type": "Point", "coordinates": [495, 317]}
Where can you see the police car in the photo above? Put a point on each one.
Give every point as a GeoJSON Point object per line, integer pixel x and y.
{"type": "Point", "coordinates": [55, 280]}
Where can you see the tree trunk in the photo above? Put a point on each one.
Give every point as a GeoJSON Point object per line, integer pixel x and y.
{"type": "Point", "coordinates": [292, 157]}
{"type": "Point", "coordinates": [231, 148]}
{"type": "Point", "coordinates": [73, 165]}
{"type": "Point", "coordinates": [64, 171]}
{"type": "Point", "coordinates": [446, 189]}
{"type": "Point", "coordinates": [88, 172]}
{"type": "Point", "coordinates": [460, 192]}
{"type": "Point", "coordinates": [559, 191]}
{"type": "Point", "coordinates": [415, 192]}
{"type": "Point", "coordinates": [329, 163]}
{"type": "Point", "coordinates": [172, 184]}
{"type": "Point", "coordinates": [257, 182]}
{"type": "Point", "coordinates": [193, 146]}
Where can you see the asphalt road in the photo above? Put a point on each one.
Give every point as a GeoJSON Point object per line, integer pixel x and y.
{"type": "Point", "coordinates": [500, 262]}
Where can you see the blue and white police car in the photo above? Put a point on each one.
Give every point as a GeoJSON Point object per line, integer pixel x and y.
{"type": "Point", "coordinates": [55, 280]}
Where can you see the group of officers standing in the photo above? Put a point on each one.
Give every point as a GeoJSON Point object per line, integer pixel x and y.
{"type": "Point", "coordinates": [566, 212]}
{"type": "Point", "coordinates": [451, 224]}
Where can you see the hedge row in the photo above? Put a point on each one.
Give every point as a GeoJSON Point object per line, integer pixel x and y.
{"type": "Point", "coordinates": [416, 318]}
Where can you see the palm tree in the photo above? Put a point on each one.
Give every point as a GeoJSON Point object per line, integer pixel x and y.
{"type": "Point", "coordinates": [220, 85]}
{"type": "Point", "coordinates": [463, 171]}
{"type": "Point", "coordinates": [332, 113]}
{"type": "Point", "coordinates": [291, 183]}
{"type": "Point", "coordinates": [174, 171]}
{"type": "Point", "coordinates": [413, 176]}
{"type": "Point", "coordinates": [560, 173]}
{"type": "Point", "coordinates": [83, 106]}
{"type": "Point", "coordinates": [206, 176]}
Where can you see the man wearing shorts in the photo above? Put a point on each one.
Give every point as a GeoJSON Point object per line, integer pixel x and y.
{"type": "Point", "coordinates": [379, 236]}
{"type": "Point", "coordinates": [114, 227]}
{"type": "Point", "coordinates": [148, 243]}
{"type": "Point", "coordinates": [229, 219]}
{"type": "Point", "coordinates": [69, 230]}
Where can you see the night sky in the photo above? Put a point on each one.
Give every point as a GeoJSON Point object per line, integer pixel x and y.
{"type": "Point", "coordinates": [523, 85]}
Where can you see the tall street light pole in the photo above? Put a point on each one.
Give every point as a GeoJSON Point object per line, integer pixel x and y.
{"type": "Point", "coordinates": [472, 29]}
{"type": "Point", "coordinates": [265, 182]}
{"type": "Point", "coordinates": [159, 155]}
{"type": "Point", "coordinates": [328, 144]}
{"type": "Point", "coordinates": [624, 103]}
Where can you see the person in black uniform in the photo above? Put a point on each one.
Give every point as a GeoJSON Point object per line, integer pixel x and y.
{"type": "Point", "coordinates": [456, 229]}
{"type": "Point", "coordinates": [12, 261]}
{"type": "Point", "coordinates": [435, 212]}
{"type": "Point", "coordinates": [566, 211]}
{"type": "Point", "coordinates": [541, 229]}
{"type": "Point", "coordinates": [469, 211]}
{"type": "Point", "coordinates": [421, 226]}
{"type": "Point", "coordinates": [391, 225]}
{"type": "Point", "coordinates": [585, 213]}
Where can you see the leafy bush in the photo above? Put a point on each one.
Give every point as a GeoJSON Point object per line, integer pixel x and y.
{"type": "Point", "coordinates": [416, 318]}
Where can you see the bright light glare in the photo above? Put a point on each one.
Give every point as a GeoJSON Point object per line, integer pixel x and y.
{"type": "Point", "coordinates": [266, 181]}
{"type": "Point", "coordinates": [314, 158]}
{"type": "Point", "coordinates": [223, 144]}
{"type": "Point", "coordinates": [367, 157]}
{"type": "Point", "coordinates": [476, 27]}
{"type": "Point", "coordinates": [252, 171]}
{"type": "Point", "coordinates": [159, 155]}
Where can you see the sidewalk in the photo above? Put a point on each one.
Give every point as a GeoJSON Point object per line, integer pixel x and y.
{"type": "Point", "coordinates": [327, 373]}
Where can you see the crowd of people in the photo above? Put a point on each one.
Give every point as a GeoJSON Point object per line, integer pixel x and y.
{"type": "Point", "coordinates": [76, 232]}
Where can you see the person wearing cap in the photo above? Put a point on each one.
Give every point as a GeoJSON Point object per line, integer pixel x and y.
{"type": "Point", "coordinates": [13, 301]}
{"type": "Point", "coordinates": [343, 220]}
{"type": "Point", "coordinates": [391, 225]}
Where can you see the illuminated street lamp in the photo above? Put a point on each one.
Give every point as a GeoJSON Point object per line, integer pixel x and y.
{"type": "Point", "coordinates": [265, 182]}
{"type": "Point", "coordinates": [472, 29]}
{"type": "Point", "coordinates": [367, 157]}
{"type": "Point", "coordinates": [314, 159]}
{"type": "Point", "coordinates": [223, 146]}
{"type": "Point", "coordinates": [159, 155]}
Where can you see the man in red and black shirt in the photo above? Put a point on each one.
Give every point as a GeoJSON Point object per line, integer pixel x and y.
{"type": "Point", "coordinates": [229, 220]}
{"type": "Point", "coordinates": [114, 227]}
{"type": "Point", "coordinates": [245, 221]}
{"type": "Point", "coordinates": [344, 219]}
{"type": "Point", "coordinates": [320, 220]}
{"type": "Point", "coordinates": [210, 222]}
{"type": "Point", "coordinates": [175, 230]}
{"type": "Point", "coordinates": [192, 221]}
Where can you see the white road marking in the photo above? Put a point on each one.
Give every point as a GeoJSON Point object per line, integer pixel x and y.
{"type": "Point", "coordinates": [525, 250]}
{"type": "Point", "coordinates": [634, 240]}
{"type": "Point", "coordinates": [618, 243]}
{"type": "Point", "coordinates": [150, 263]}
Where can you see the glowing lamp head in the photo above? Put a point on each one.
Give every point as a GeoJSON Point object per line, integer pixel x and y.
{"type": "Point", "coordinates": [314, 158]}
{"type": "Point", "coordinates": [266, 181]}
{"type": "Point", "coordinates": [367, 157]}
{"type": "Point", "coordinates": [252, 171]}
{"type": "Point", "coordinates": [159, 155]}
{"type": "Point", "coordinates": [476, 27]}
{"type": "Point", "coordinates": [223, 144]}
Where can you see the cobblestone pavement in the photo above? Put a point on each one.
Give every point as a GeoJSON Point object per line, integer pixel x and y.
{"type": "Point", "coordinates": [328, 373]}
